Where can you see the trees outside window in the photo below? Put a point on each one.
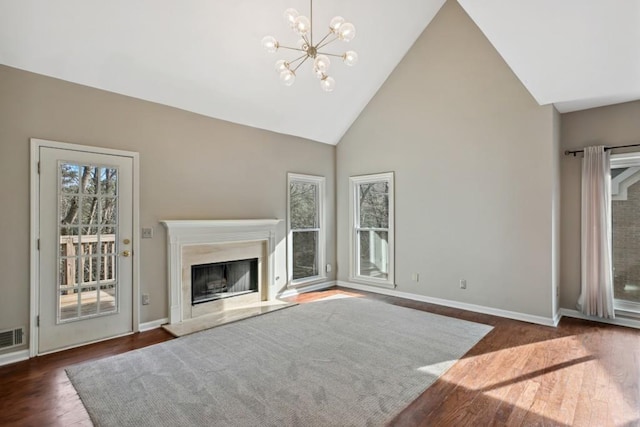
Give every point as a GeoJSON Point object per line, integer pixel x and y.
{"type": "Point", "coordinates": [372, 236]}
{"type": "Point", "coordinates": [306, 228]}
{"type": "Point", "coordinates": [87, 229]}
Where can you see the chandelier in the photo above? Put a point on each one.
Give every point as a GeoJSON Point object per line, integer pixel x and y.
{"type": "Point", "coordinates": [339, 29]}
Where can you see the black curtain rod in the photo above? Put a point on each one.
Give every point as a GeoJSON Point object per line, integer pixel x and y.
{"type": "Point", "coordinates": [575, 152]}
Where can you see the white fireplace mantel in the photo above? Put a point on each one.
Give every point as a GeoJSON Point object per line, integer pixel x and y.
{"type": "Point", "coordinates": [182, 233]}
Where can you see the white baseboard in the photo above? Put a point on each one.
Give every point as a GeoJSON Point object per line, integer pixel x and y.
{"type": "Point", "coordinates": [619, 321]}
{"type": "Point", "coordinates": [13, 357]}
{"type": "Point", "coordinates": [546, 321]}
{"type": "Point", "coordinates": [304, 289]}
{"type": "Point", "coordinates": [147, 326]}
{"type": "Point", "coordinates": [20, 355]}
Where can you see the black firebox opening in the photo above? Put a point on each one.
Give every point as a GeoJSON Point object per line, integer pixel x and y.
{"type": "Point", "coordinates": [210, 282]}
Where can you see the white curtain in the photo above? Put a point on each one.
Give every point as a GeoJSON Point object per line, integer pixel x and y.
{"type": "Point", "coordinates": [596, 298]}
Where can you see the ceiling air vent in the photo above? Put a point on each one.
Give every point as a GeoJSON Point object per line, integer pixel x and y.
{"type": "Point", "coordinates": [11, 337]}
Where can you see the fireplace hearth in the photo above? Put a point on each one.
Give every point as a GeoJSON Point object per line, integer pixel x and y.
{"type": "Point", "coordinates": [210, 282]}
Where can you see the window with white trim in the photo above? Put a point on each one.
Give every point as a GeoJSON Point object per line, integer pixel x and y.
{"type": "Point", "coordinates": [306, 242]}
{"type": "Point", "coordinates": [372, 229]}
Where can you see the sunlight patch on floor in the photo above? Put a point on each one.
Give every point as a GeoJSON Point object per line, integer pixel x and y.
{"type": "Point", "coordinates": [436, 369]}
{"type": "Point", "coordinates": [335, 296]}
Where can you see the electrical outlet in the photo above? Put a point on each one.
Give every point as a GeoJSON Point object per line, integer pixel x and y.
{"type": "Point", "coordinates": [328, 268]}
{"type": "Point", "coordinates": [415, 277]}
{"type": "Point", "coordinates": [463, 284]}
{"type": "Point", "coordinates": [145, 299]}
{"type": "Point", "coordinates": [147, 232]}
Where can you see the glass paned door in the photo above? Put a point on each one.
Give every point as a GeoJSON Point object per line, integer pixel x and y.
{"type": "Point", "coordinates": [88, 235]}
{"type": "Point", "coordinates": [625, 216]}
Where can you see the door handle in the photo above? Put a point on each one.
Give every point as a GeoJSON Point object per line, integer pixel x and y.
{"type": "Point", "coordinates": [125, 254]}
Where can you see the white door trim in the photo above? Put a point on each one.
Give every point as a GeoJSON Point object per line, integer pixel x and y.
{"type": "Point", "coordinates": [34, 279]}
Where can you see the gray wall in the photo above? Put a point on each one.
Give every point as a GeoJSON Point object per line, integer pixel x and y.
{"type": "Point", "coordinates": [474, 160]}
{"type": "Point", "coordinates": [192, 167]}
{"type": "Point", "coordinates": [613, 125]}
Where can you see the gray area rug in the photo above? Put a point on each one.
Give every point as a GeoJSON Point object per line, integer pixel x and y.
{"type": "Point", "coordinates": [337, 362]}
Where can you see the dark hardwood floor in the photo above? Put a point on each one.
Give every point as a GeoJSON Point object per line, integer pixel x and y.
{"type": "Point", "coordinates": [581, 373]}
{"type": "Point", "coordinates": [37, 392]}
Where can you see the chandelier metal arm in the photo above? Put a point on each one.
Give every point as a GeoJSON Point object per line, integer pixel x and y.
{"type": "Point", "coordinates": [320, 46]}
{"type": "Point", "coordinates": [298, 59]}
{"type": "Point", "coordinates": [332, 54]}
{"type": "Point", "coordinates": [311, 22]}
{"type": "Point", "coordinates": [301, 62]}
{"type": "Point", "coordinates": [323, 39]}
{"type": "Point", "coordinates": [291, 48]}
{"type": "Point", "coordinates": [306, 40]}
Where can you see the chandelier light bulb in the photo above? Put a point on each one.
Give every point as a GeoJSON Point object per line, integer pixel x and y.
{"type": "Point", "coordinates": [347, 32]}
{"type": "Point", "coordinates": [322, 63]}
{"type": "Point", "coordinates": [328, 84]}
{"type": "Point", "coordinates": [281, 65]}
{"type": "Point", "coordinates": [302, 25]}
{"type": "Point", "coordinates": [287, 77]}
{"type": "Point", "coordinates": [335, 23]}
{"type": "Point", "coordinates": [270, 44]}
{"type": "Point", "coordinates": [290, 16]}
{"type": "Point", "coordinates": [350, 58]}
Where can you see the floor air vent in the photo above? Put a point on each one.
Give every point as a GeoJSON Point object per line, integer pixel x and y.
{"type": "Point", "coordinates": [11, 337]}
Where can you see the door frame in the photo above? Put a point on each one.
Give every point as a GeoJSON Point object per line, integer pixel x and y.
{"type": "Point", "coordinates": [34, 230]}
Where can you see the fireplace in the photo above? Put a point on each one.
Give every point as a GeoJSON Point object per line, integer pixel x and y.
{"type": "Point", "coordinates": [201, 244]}
{"type": "Point", "coordinates": [218, 280]}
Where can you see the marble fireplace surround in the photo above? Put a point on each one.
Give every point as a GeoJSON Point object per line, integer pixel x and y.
{"type": "Point", "coordinates": [191, 242]}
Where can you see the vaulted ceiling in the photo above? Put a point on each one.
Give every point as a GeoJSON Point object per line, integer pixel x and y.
{"type": "Point", "coordinates": [205, 55]}
{"type": "Point", "coordinates": [575, 54]}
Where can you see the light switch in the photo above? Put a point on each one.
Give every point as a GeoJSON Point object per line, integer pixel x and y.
{"type": "Point", "coordinates": [147, 232]}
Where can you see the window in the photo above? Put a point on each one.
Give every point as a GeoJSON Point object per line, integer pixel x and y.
{"type": "Point", "coordinates": [87, 232]}
{"type": "Point", "coordinates": [625, 218]}
{"type": "Point", "coordinates": [372, 236]}
{"type": "Point", "coordinates": [306, 228]}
